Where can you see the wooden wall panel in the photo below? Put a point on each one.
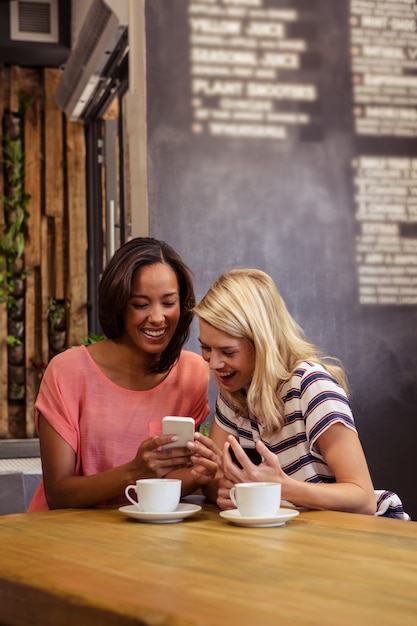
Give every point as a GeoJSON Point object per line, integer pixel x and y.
{"type": "Point", "coordinates": [56, 237]}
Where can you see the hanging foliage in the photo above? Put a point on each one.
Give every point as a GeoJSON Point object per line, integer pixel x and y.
{"type": "Point", "coordinates": [15, 201]}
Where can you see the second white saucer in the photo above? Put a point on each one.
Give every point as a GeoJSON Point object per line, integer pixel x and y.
{"type": "Point", "coordinates": [279, 519]}
{"type": "Point", "coordinates": [182, 511]}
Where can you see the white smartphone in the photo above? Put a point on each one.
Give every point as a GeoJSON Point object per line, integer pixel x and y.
{"type": "Point", "coordinates": [181, 426]}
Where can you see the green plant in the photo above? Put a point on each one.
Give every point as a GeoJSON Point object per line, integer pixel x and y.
{"type": "Point", "coordinates": [16, 391]}
{"type": "Point", "coordinates": [91, 338]}
{"type": "Point", "coordinates": [12, 341]}
{"type": "Point", "coordinates": [205, 426]}
{"type": "Point", "coordinates": [15, 201]}
{"type": "Point", "coordinates": [54, 311]}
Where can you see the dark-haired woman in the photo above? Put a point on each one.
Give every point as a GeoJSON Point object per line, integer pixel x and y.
{"type": "Point", "coordinates": [100, 407]}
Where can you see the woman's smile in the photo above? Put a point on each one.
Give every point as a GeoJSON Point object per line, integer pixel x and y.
{"type": "Point", "coordinates": [225, 377]}
{"type": "Point", "coordinates": [153, 310]}
{"type": "Point", "coordinates": [155, 334]}
{"type": "Point", "coordinates": [231, 359]}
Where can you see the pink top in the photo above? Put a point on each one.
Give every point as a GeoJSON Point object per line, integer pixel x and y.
{"type": "Point", "coordinates": [104, 423]}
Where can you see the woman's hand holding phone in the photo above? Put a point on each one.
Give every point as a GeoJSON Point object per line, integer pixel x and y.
{"type": "Point", "coordinates": [183, 427]}
{"type": "Point", "coordinates": [161, 454]}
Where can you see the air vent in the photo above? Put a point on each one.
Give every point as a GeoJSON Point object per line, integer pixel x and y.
{"type": "Point", "coordinates": [34, 20]}
{"type": "Point", "coordinates": [102, 38]}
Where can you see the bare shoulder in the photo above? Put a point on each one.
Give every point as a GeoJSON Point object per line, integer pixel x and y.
{"type": "Point", "coordinates": [187, 356]}
{"type": "Point", "coordinates": [192, 361]}
{"type": "Point", "coordinates": [99, 351]}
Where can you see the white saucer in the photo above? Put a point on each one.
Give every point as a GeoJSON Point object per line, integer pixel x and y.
{"type": "Point", "coordinates": [182, 511]}
{"type": "Point", "coordinates": [259, 522]}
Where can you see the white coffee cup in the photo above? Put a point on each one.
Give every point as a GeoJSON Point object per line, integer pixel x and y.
{"type": "Point", "coordinates": [155, 495]}
{"type": "Point", "coordinates": [257, 499]}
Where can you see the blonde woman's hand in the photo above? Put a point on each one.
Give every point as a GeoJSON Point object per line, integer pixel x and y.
{"type": "Point", "coordinates": [223, 494]}
{"type": "Point", "coordinates": [268, 471]}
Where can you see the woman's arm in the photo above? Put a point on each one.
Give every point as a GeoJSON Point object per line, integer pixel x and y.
{"type": "Point", "coordinates": [341, 449]}
{"type": "Point", "coordinates": [63, 489]}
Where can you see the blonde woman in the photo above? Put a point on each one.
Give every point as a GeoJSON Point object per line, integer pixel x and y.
{"type": "Point", "coordinates": [282, 410]}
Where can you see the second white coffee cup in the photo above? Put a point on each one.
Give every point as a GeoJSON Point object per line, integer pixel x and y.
{"type": "Point", "coordinates": [155, 495]}
{"type": "Point", "coordinates": [257, 499]}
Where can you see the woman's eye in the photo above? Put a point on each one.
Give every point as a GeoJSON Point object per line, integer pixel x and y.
{"type": "Point", "coordinates": [170, 304]}
{"type": "Point", "coordinates": [229, 354]}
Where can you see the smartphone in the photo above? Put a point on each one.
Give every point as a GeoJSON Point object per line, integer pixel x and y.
{"type": "Point", "coordinates": [252, 453]}
{"type": "Point", "coordinates": [181, 426]}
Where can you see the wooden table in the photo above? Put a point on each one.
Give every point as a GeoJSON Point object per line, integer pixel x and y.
{"type": "Point", "coordinates": [97, 567]}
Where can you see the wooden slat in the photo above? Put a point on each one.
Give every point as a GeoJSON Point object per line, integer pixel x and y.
{"type": "Point", "coordinates": [33, 165]}
{"type": "Point", "coordinates": [58, 267]}
{"type": "Point", "coordinates": [45, 287]}
{"type": "Point", "coordinates": [5, 87]}
{"type": "Point", "coordinates": [15, 75]}
{"type": "Point", "coordinates": [77, 229]}
{"type": "Point", "coordinates": [32, 348]}
{"type": "Point", "coordinates": [112, 112]}
{"type": "Point", "coordinates": [54, 176]}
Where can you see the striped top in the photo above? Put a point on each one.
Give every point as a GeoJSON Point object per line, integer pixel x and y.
{"type": "Point", "coordinates": [313, 402]}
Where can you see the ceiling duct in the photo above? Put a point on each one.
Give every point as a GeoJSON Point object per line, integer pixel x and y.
{"type": "Point", "coordinates": [101, 40]}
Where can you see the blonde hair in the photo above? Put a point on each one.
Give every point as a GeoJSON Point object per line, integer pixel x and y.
{"type": "Point", "coordinates": [246, 303]}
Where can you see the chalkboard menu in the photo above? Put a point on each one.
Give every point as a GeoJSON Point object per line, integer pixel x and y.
{"type": "Point", "coordinates": [282, 134]}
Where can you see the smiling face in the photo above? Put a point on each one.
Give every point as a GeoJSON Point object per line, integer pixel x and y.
{"type": "Point", "coordinates": [153, 309]}
{"type": "Point", "coordinates": [231, 359]}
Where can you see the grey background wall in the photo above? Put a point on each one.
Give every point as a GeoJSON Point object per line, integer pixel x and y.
{"type": "Point", "coordinates": [285, 205]}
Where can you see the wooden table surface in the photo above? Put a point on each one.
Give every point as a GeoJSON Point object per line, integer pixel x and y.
{"type": "Point", "coordinates": [97, 567]}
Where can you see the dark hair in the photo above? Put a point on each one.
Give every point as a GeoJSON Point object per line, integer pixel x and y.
{"type": "Point", "coordinates": [116, 284]}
